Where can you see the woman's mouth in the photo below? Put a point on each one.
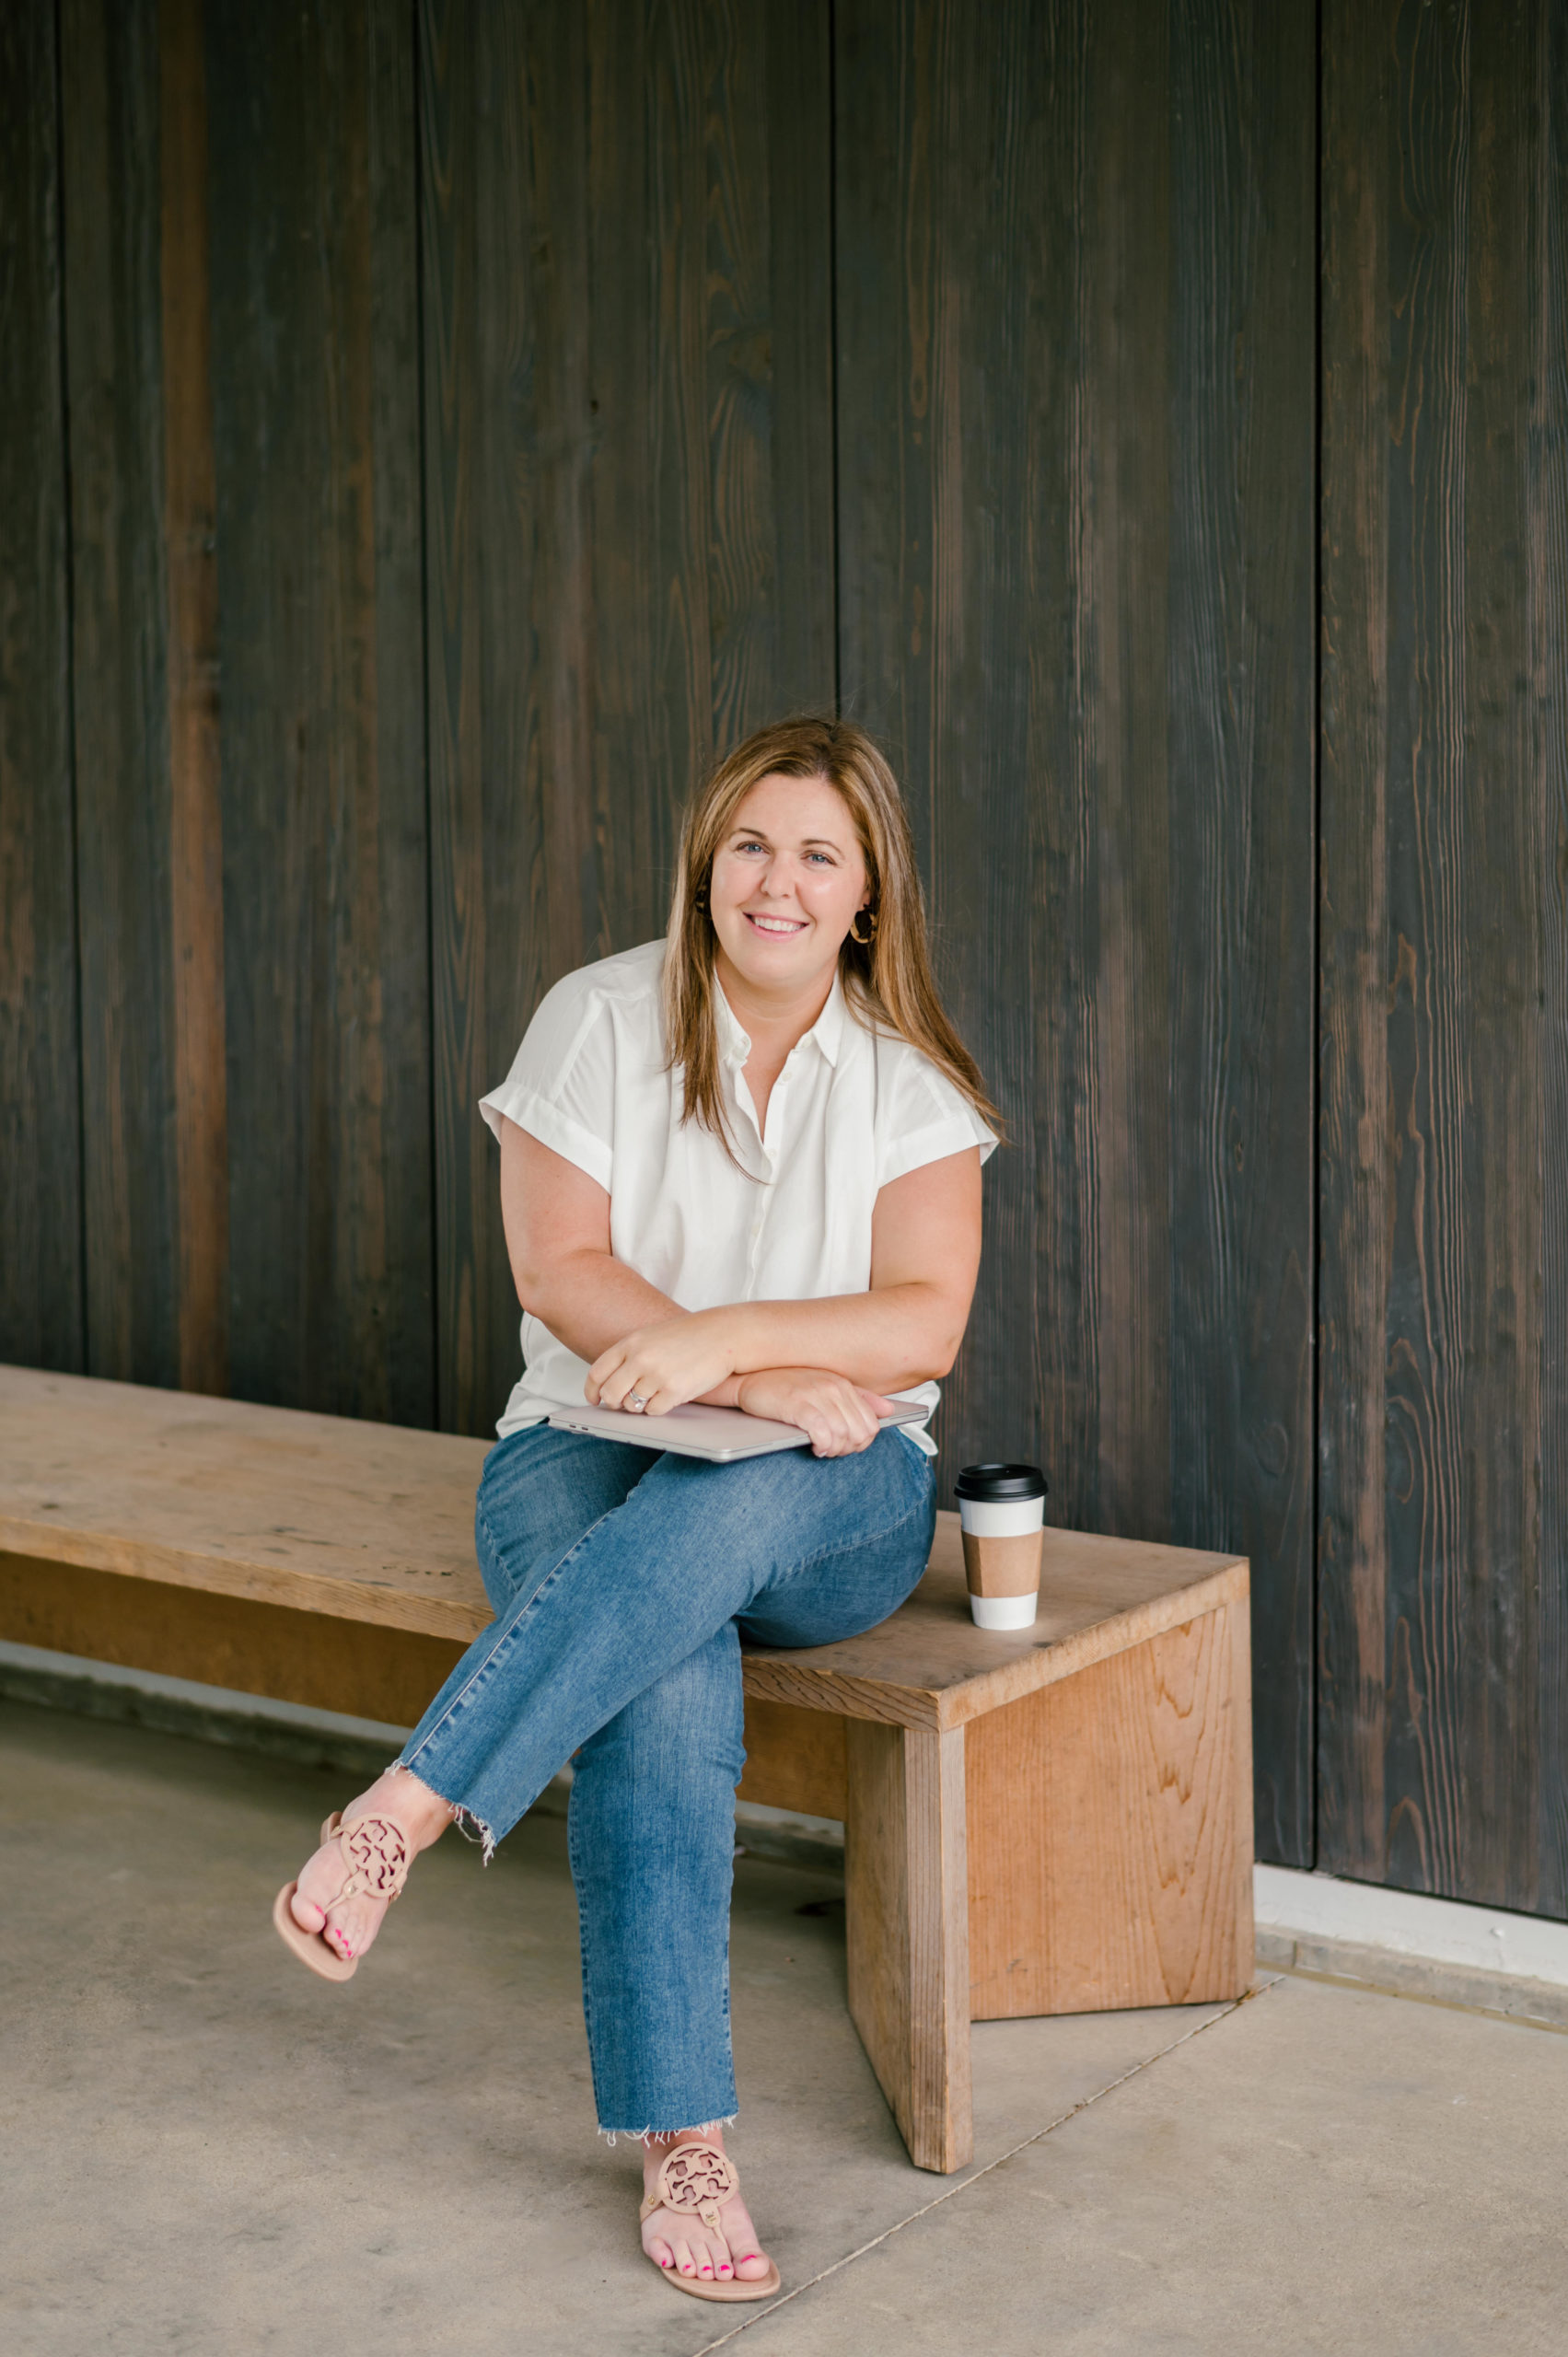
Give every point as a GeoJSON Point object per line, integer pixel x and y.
{"type": "Point", "coordinates": [775, 928]}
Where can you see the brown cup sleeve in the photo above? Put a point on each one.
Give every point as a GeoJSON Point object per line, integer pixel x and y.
{"type": "Point", "coordinates": [1004, 1566]}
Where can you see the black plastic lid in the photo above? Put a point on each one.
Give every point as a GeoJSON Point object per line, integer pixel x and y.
{"type": "Point", "coordinates": [1000, 1485]}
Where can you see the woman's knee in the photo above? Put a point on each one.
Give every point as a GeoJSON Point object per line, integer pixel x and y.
{"type": "Point", "coordinates": [538, 1491]}
{"type": "Point", "coordinates": [682, 1734]}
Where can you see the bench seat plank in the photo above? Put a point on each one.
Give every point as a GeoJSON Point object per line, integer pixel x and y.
{"type": "Point", "coordinates": [375, 1523]}
{"type": "Point", "coordinates": [930, 1667]}
{"type": "Point", "coordinates": [319, 1513]}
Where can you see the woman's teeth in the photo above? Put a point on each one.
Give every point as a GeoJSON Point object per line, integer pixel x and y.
{"type": "Point", "coordinates": [776, 925]}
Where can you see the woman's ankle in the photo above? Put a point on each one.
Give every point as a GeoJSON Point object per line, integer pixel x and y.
{"type": "Point", "coordinates": [655, 2148]}
{"type": "Point", "coordinates": [424, 1814]}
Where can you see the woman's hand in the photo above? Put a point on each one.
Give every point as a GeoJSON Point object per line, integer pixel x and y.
{"type": "Point", "coordinates": [840, 1416]}
{"type": "Point", "coordinates": [663, 1365]}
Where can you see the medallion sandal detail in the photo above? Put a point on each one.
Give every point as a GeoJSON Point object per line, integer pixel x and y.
{"type": "Point", "coordinates": [376, 1853]}
{"type": "Point", "coordinates": [693, 2181]}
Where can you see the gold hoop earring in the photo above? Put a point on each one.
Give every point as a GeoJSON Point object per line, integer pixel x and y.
{"type": "Point", "coordinates": [700, 899]}
{"type": "Point", "coordinates": [863, 940]}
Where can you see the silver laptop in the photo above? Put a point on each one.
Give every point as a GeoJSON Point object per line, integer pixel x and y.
{"type": "Point", "coordinates": [722, 1433]}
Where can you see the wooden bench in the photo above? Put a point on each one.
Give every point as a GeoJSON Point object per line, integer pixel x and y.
{"type": "Point", "coordinates": [1058, 1820]}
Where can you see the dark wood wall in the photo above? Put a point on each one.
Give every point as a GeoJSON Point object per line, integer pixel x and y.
{"type": "Point", "coordinates": [1077, 428]}
{"type": "Point", "coordinates": [430, 430]}
{"type": "Point", "coordinates": [1443, 1173]}
{"type": "Point", "coordinates": [40, 1106]}
{"type": "Point", "coordinates": [629, 526]}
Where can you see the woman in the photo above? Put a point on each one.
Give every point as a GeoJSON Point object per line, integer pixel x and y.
{"type": "Point", "coordinates": [740, 1167]}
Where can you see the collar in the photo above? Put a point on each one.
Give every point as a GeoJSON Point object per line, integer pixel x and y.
{"type": "Point", "coordinates": [734, 1045]}
{"type": "Point", "coordinates": [828, 1031]}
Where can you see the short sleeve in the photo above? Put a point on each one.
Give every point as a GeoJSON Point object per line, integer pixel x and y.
{"type": "Point", "coordinates": [923, 1118]}
{"type": "Point", "coordinates": [560, 1089]}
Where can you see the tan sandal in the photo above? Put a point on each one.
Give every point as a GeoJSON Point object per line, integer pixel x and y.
{"type": "Point", "coordinates": [377, 1854]}
{"type": "Point", "coordinates": [693, 2181]}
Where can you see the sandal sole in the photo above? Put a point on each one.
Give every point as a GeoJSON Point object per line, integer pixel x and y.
{"type": "Point", "coordinates": [762, 2289]}
{"type": "Point", "coordinates": [309, 1946]}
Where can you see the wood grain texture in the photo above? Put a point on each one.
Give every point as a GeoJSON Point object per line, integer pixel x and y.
{"type": "Point", "coordinates": [111, 83]}
{"type": "Point", "coordinates": [930, 1667]}
{"type": "Point", "coordinates": [195, 819]}
{"type": "Point", "coordinates": [1072, 431]}
{"type": "Point", "coordinates": [41, 1174]}
{"type": "Point", "coordinates": [1110, 1834]}
{"type": "Point", "coordinates": [795, 1759]}
{"type": "Point", "coordinates": [317, 1513]}
{"type": "Point", "coordinates": [359, 1520]}
{"type": "Point", "coordinates": [907, 1932]}
{"type": "Point", "coordinates": [628, 506]}
{"type": "Point", "coordinates": [319, 1659]}
{"type": "Point", "coordinates": [1443, 1414]}
{"type": "Point", "coordinates": [314, 335]}
{"type": "Point", "coordinates": [1075, 416]}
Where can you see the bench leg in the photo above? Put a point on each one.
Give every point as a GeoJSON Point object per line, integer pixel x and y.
{"type": "Point", "coordinates": [906, 1890]}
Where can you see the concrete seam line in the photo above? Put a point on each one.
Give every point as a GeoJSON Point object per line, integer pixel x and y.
{"type": "Point", "coordinates": [1039, 2134]}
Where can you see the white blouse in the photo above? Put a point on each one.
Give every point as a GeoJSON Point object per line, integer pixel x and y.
{"type": "Point", "coordinates": [851, 1110]}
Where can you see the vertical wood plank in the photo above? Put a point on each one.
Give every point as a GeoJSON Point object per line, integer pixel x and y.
{"type": "Point", "coordinates": [906, 1894]}
{"type": "Point", "coordinates": [877, 1906]}
{"type": "Point", "coordinates": [1076, 266]}
{"type": "Point", "coordinates": [1441, 1727]}
{"type": "Point", "coordinates": [144, 665]}
{"type": "Point", "coordinates": [1353, 1136]}
{"type": "Point", "coordinates": [316, 406]}
{"type": "Point", "coordinates": [111, 76]}
{"type": "Point", "coordinates": [1109, 1832]}
{"type": "Point", "coordinates": [195, 846]}
{"type": "Point", "coordinates": [795, 1759]}
{"type": "Point", "coordinates": [509, 431]}
{"type": "Point", "coordinates": [1547, 642]}
{"type": "Point", "coordinates": [40, 1178]}
{"type": "Point", "coordinates": [1242, 923]}
{"type": "Point", "coordinates": [629, 507]}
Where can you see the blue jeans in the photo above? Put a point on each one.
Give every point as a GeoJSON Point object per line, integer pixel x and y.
{"type": "Point", "coordinates": [623, 1584]}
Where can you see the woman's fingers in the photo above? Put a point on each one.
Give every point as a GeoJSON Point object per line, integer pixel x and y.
{"type": "Point", "coordinates": [844, 1424]}
{"type": "Point", "coordinates": [601, 1373]}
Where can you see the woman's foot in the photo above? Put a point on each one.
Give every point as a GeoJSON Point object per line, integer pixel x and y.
{"type": "Point", "coordinates": [680, 2242]}
{"type": "Point", "coordinates": [348, 1925]}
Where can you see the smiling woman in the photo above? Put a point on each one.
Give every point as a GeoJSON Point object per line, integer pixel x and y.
{"type": "Point", "coordinates": [794, 777]}
{"type": "Point", "coordinates": [740, 1165]}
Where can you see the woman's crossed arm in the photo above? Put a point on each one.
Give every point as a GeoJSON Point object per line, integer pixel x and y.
{"type": "Point", "coordinates": [824, 1364]}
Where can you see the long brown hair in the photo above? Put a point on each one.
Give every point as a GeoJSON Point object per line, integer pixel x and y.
{"type": "Point", "coordinates": [886, 981]}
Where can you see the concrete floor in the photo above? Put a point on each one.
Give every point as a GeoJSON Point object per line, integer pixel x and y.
{"type": "Point", "coordinates": [203, 2150]}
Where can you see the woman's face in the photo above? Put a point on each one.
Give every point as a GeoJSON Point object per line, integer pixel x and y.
{"type": "Point", "coordinates": [788, 878]}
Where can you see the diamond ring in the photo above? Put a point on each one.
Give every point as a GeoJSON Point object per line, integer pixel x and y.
{"type": "Point", "coordinates": [635, 1399]}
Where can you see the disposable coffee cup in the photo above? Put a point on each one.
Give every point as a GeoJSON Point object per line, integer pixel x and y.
{"type": "Point", "coordinates": [1002, 1509]}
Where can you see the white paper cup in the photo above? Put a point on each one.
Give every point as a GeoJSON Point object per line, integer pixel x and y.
{"type": "Point", "coordinates": [1002, 1511]}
